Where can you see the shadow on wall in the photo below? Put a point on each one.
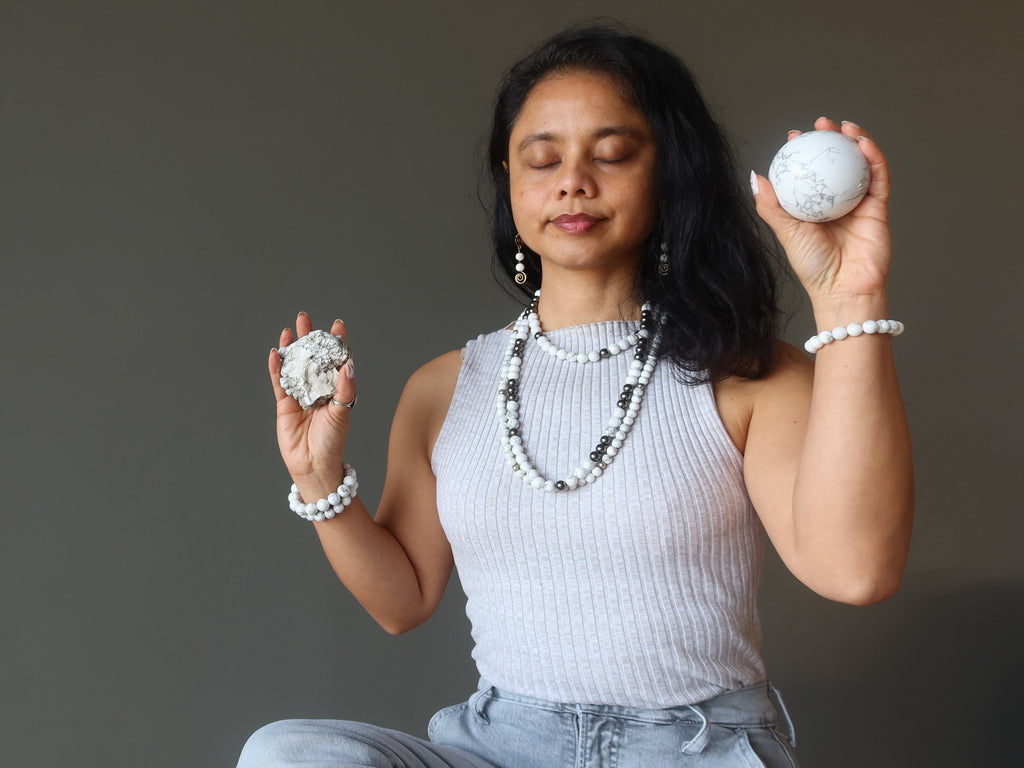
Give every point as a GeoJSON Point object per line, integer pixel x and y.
{"type": "Point", "coordinates": [948, 662]}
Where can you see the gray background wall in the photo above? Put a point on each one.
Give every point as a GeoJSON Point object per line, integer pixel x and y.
{"type": "Point", "coordinates": [177, 179]}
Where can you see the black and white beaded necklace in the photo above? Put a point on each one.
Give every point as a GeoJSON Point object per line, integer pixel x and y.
{"type": "Point", "coordinates": [645, 358]}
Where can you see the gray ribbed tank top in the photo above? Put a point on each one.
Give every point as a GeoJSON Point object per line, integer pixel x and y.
{"type": "Point", "coordinates": [638, 590]}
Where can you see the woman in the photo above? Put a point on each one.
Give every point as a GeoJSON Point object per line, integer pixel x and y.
{"type": "Point", "coordinates": [601, 474]}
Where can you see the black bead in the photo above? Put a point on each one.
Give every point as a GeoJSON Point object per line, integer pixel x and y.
{"type": "Point", "coordinates": [595, 456]}
{"type": "Point", "coordinates": [513, 432]}
{"type": "Point", "coordinates": [606, 440]}
{"type": "Point", "coordinates": [605, 353]}
{"type": "Point", "coordinates": [602, 465]}
{"type": "Point", "coordinates": [561, 485]}
{"type": "Point", "coordinates": [537, 335]}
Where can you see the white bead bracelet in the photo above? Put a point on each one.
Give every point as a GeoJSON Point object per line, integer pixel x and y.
{"type": "Point", "coordinates": [819, 340]}
{"type": "Point", "coordinates": [325, 509]}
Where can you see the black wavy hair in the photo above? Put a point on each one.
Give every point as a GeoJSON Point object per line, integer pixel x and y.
{"type": "Point", "coordinates": [718, 301]}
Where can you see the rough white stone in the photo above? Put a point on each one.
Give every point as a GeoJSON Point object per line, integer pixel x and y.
{"type": "Point", "coordinates": [309, 367]}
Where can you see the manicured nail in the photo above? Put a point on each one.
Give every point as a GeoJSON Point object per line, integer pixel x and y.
{"type": "Point", "coordinates": [350, 369]}
{"type": "Point", "coordinates": [851, 124]}
{"type": "Point", "coordinates": [862, 137]}
{"type": "Point", "coordinates": [339, 320]}
{"type": "Point", "coordinates": [754, 186]}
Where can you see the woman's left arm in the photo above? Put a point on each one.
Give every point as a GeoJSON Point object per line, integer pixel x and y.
{"type": "Point", "coordinates": [827, 458]}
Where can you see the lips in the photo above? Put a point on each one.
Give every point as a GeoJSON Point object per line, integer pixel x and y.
{"type": "Point", "coordinates": [575, 223]}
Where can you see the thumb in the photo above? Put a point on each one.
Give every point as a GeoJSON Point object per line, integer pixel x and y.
{"type": "Point", "coordinates": [344, 398]}
{"type": "Point", "coordinates": [768, 208]}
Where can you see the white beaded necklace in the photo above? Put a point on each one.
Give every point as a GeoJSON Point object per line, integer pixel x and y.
{"type": "Point", "coordinates": [645, 358]}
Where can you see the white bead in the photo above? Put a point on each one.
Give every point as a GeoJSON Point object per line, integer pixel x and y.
{"type": "Point", "coordinates": [611, 451]}
{"type": "Point", "coordinates": [329, 513]}
{"type": "Point", "coordinates": [537, 482]}
{"type": "Point", "coordinates": [572, 482]}
{"type": "Point", "coordinates": [549, 486]}
{"type": "Point", "coordinates": [520, 268]}
{"type": "Point", "coordinates": [579, 473]}
{"type": "Point", "coordinates": [295, 488]}
{"type": "Point", "coordinates": [839, 332]}
{"type": "Point", "coordinates": [596, 471]}
{"type": "Point", "coordinates": [813, 344]}
{"type": "Point", "coordinates": [594, 357]}
{"type": "Point", "coordinates": [825, 337]}
{"type": "Point", "coordinates": [561, 354]}
{"type": "Point", "coordinates": [883, 326]}
{"type": "Point", "coordinates": [855, 329]}
{"type": "Point", "coordinates": [616, 442]}
{"type": "Point", "coordinates": [628, 421]}
{"type": "Point", "coordinates": [333, 499]}
{"type": "Point", "coordinates": [319, 517]}
{"type": "Point", "coordinates": [870, 326]}
{"type": "Point", "coordinates": [322, 505]}
{"type": "Point", "coordinates": [614, 349]}
{"type": "Point", "coordinates": [898, 327]}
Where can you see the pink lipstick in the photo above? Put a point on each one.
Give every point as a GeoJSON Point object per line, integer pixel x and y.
{"type": "Point", "coordinates": [576, 223]}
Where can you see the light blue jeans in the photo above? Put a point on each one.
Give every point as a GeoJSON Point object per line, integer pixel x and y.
{"type": "Point", "coordinates": [746, 728]}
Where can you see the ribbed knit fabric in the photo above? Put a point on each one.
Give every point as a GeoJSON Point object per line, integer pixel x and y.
{"type": "Point", "coordinates": [638, 590]}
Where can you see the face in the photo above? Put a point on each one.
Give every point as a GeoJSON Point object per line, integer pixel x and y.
{"type": "Point", "coordinates": [581, 174]}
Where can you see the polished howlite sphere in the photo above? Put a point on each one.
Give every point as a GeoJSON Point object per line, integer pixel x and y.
{"type": "Point", "coordinates": [819, 176]}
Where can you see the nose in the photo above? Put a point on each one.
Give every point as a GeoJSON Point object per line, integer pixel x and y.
{"type": "Point", "coordinates": [576, 179]}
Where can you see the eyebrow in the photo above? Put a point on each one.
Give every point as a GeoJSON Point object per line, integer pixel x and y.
{"type": "Point", "coordinates": [611, 130]}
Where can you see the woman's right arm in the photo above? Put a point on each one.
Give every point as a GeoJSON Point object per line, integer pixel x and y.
{"type": "Point", "coordinates": [397, 563]}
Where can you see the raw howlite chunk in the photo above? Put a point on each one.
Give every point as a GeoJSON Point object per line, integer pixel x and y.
{"type": "Point", "coordinates": [309, 367]}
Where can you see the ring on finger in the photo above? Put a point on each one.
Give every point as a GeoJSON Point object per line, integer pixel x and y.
{"type": "Point", "coordinates": [350, 404]}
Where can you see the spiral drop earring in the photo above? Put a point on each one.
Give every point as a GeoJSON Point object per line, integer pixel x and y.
{"type": "Point", "coordinates": [663, 267]}
{"type": "Point", "coordinates": [520, 275]}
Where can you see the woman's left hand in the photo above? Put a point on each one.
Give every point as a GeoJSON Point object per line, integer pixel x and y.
{"type": "Point", "coordinates": [845, 258]}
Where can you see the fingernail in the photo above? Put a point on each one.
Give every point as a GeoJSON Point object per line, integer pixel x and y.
{"type": "Point", "coordinates": [350, 369]}
{"type": "Point", "coordinates": [754, 186]}
{"type": "Point", "coordinates": [862, 137]}
{"type": "Point", "coordinates": [850, 123]}
{"type": "Point", "coordinates": [823, 117]}
{"type": "Point", "coordinates": [339, 320]}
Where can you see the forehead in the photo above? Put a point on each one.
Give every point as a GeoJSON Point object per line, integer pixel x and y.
{"type": "Point", "coordinates": [565, 104]}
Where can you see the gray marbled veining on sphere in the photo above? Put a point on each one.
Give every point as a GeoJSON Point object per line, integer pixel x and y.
{"type": "Point", "coordinates": [309, 367]}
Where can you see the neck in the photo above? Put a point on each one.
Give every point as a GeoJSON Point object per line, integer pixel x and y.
{"type": "Point", "coordinates": [577, 302]}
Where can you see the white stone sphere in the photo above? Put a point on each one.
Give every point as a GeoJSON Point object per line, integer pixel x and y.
{"type": "Point", "coordinates": [819, 176]}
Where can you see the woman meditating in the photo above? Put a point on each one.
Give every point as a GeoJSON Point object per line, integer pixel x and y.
{"type": "Point", "coordinates": [602, 471]}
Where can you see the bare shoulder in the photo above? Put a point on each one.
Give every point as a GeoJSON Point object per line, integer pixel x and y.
{"type": "Point", "coordinates": [738, 398]}
{"type": "Point", "coordinates": [428, 394]}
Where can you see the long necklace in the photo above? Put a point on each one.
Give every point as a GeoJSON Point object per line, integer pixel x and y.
{"type": "Point", "coordinates": [645, 358]}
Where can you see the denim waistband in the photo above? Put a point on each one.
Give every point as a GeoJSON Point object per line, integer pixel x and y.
{"type": "Point", "coordinates": [753, 706]}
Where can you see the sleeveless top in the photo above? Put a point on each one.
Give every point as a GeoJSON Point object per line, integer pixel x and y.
{"type": "Point", "coordinates": [637, 590]}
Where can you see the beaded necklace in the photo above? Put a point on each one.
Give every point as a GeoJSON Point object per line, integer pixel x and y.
{"type": "Point", "coordinates": [645, 358]}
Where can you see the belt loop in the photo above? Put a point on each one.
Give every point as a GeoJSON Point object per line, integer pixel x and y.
{"type": "Point", "coordinates": [776, 698]}
{"type": "Point", "coordinates": [477, 701]}
{"type": "Point", "coordinates": [696, 745]}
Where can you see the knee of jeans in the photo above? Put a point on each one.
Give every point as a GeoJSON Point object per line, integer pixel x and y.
{"type": "Point", "coordinates": [314, 743]}
{"type": "Point", "coordinates": [270, 745]}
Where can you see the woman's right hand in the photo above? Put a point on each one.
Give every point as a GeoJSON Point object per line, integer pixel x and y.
{"type": "Point", "coordinates": [312, 442]}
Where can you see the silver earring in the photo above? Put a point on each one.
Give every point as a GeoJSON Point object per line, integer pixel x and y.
{"type": "Point", "coordinates": [520, 258]}
{"type": "Point", "coordinates": [663, 266]}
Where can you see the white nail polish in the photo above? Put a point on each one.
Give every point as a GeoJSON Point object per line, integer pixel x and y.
{"type": "Point", "coordinates": [754, 186]}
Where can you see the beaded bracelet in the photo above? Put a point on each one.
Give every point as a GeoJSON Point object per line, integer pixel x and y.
{"type": "Point", "coordinates": [819, 340]}
{"type": "Point", "coordinates": [325, 509]}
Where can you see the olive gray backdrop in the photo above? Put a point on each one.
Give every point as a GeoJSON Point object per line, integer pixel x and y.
{"type": "Point", "coordinates": [178, 179]}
